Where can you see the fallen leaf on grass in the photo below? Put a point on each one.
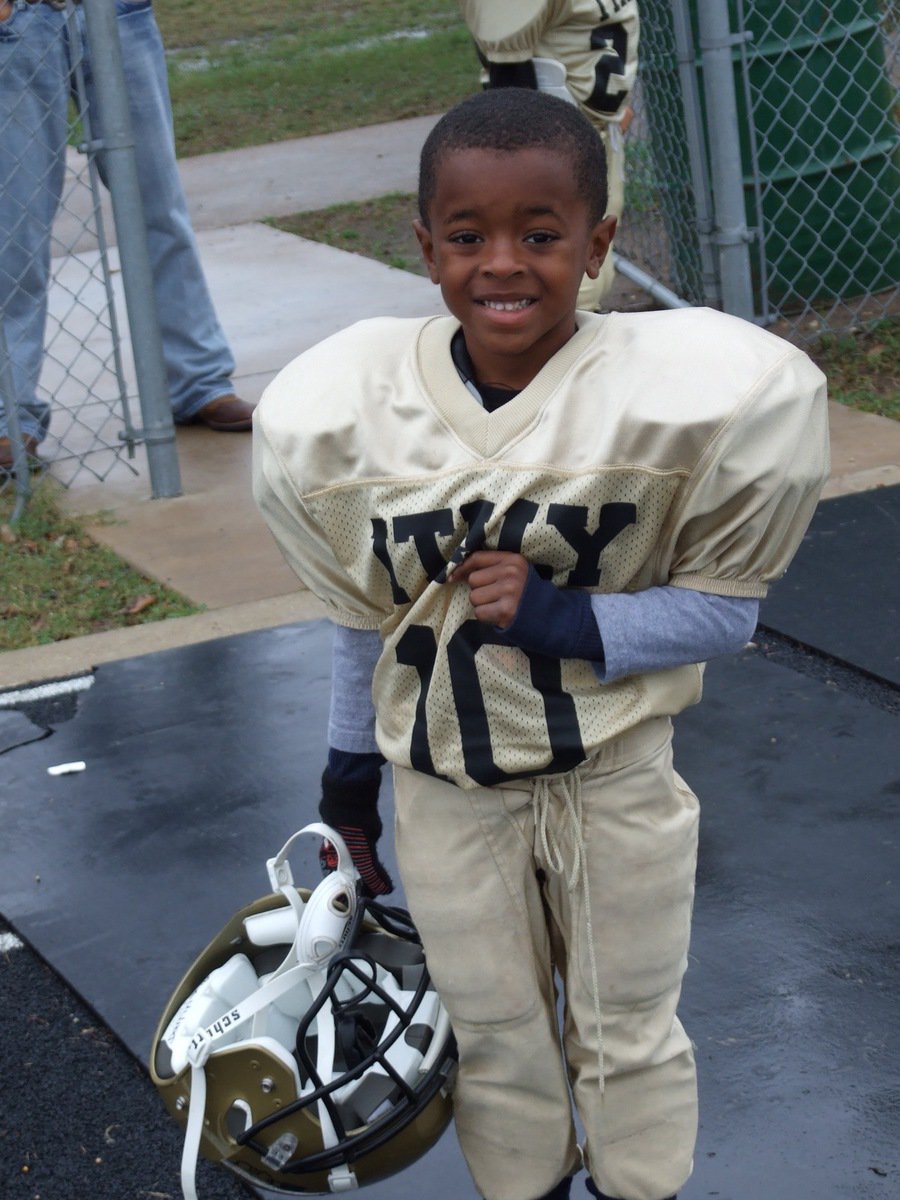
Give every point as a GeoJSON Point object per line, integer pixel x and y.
{"type": "Point", "coordinates": [137, 605]}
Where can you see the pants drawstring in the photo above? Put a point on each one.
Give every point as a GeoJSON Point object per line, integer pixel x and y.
{"type": "Point", "coordinates": [569, 787]}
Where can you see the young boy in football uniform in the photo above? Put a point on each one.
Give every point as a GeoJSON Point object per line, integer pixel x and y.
{"type": "Point", "coordinates": [532, 526]}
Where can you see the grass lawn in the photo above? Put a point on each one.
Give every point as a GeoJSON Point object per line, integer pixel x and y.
{"type": "Point", "coordinates": [863, 368]}
{"type": "Point", "coordinates": [243, 76]}
{"type": "Point", "coordinates": [57, 583]}
{"type": "Point", "coordinates": [380, 229]}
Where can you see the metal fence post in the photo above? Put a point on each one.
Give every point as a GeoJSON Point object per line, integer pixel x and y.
{"type": "Point", "coordinates": [732, 235]}
{"type": "Point", "coordinates": [696, 148]}
{"type": "Point", "coordinates": [118, 158]}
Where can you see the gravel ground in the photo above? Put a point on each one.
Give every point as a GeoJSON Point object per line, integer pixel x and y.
{"type": "Point", "coordinates": [79, 1117]}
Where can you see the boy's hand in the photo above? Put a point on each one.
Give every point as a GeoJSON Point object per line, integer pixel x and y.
{"type": "Point", "coordinates": [364, 852]}
{"type": "Point", "coordinates": [349, 804]}
{"type": "Point", "coordinates": [496, 580]}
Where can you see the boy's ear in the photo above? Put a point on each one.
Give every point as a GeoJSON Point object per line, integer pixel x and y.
{"type": "Point", "coordinates": [600, 241]}
{"type": "Point", "coordinates": [426, 245]}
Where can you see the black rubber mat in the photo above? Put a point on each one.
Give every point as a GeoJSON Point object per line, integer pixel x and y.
{"type": "Point", "coordinates": [201, 761]}
{"type": "Point", "coordinates": [17, 730]}
{"type": "Point", "coordinates": [841, 594]}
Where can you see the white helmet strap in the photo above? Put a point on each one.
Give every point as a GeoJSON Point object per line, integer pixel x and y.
{"type": "Point", "coordinates": [193, 1133]}
{"type": "Point", "coordinates": [279, 868]}
{"type": "Point", "coordinates": [321, 925]}
{"type": "Point", "coordinates": [203, 1044]}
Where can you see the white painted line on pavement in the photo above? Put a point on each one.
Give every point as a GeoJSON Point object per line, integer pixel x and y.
{"type": "Point", "coordinates": [46, 691]}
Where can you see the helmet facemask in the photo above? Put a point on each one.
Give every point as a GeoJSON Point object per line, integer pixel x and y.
{"type": "Point", "coordinates": [307, 1047]}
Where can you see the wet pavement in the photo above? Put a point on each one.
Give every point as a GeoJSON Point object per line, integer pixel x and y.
{"type": "Point", "coordinates": [840, 595]}
{"type": "Point", "coordinates": [200, 760]}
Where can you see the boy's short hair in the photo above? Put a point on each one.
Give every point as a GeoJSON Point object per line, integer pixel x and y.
{"type": "Point", "coordinates": [509, 119]}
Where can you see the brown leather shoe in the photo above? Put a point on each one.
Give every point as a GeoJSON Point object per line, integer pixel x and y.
{"type": "Point", "coordinates": [7, 463]}
{"type": "Point", "coordinates": [228, 414]}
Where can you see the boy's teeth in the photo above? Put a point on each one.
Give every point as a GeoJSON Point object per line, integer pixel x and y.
{"type": "Point", "coordinates": [506, 305]}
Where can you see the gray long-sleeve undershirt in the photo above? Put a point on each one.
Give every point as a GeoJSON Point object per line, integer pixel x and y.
{"type": "Point", "coordinates": [652, 630]}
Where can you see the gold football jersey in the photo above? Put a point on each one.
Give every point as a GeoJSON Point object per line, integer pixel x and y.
{"type": "Point", "coordinates": [595, 41]}
{"type": "Point", "coordinates": [684, 448]}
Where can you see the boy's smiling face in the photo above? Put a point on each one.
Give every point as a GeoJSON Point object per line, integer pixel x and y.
{"type": "Point", "coordinates": [510, 238]}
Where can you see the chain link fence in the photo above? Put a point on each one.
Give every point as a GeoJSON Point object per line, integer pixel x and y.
{"type": "Point", "coordinates": [64, 372]}
{"type": "Point", "coordinates": [59, 340]}
{"type": "Point", "coordinates": [801, 223]}
{"type": "Point", "coordinates": [763, 178]}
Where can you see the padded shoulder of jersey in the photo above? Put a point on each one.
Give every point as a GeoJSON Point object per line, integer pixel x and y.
{"type": "Point", "coordinates": [338, 396]}
{"type": "Point", "coordinates": [378, 399]}
{"type": "Point", "coordinates": [683, 351]}
{"type": "Point", "coordinates": [694, 370]}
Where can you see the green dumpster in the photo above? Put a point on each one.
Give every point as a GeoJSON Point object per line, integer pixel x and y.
{"type": "Point", "coordinates": [828, 148]}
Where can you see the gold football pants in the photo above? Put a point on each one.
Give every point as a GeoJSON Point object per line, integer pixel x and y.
{"type": "Point", "coordinates": [589, 876]}
{"type": "Point", "coordinates": [592, 293]}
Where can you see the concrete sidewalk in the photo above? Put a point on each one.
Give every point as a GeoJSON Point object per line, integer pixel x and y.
{"type": "Point", "coordinates": [276, 295]}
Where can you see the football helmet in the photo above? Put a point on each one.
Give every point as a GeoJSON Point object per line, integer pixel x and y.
{"type": "Point", "coordinates": [306, 1048]}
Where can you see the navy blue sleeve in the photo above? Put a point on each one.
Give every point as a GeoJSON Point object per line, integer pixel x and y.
{"type": "Point", "coordinates": [555, 622]}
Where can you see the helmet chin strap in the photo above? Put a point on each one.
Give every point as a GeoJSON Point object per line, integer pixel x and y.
{"type": "Point", "coordinates": [191, 1149]}
{"type": "Point", "coordinates": [203, 1044]}
{"type": "Point", "coordinates": [321, 928]}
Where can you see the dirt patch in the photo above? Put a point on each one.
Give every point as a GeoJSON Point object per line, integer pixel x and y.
{"type": "Point", "coordinates": [380, 229]}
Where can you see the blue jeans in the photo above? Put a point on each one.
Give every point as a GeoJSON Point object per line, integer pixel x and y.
{"type": "Point", "coordinates": [36, 57]}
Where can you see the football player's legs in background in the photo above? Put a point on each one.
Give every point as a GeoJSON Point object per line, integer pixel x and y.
{"type": "Point", "coordinates": [580, 50]}
{"type": "Point", "coordinates": [593, 292]}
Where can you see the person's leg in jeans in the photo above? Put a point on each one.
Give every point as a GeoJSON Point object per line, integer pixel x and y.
{"type": "Point", "coordinates": [34, 93]}
{"type": "Point", "coordinates": [199, 362]}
